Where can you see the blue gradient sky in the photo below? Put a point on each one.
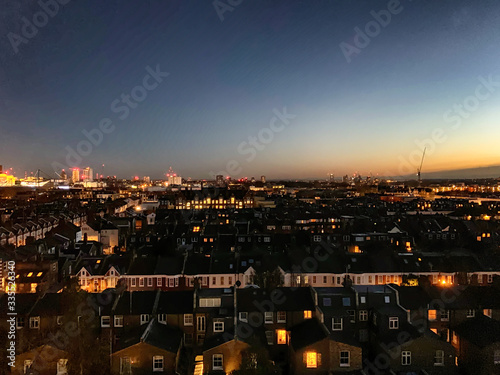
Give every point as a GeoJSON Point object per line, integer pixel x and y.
{"type": "Point", "coordinates": [227, 77]}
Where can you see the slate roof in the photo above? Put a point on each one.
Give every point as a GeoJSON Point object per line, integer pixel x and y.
{"type": "Point", "coordinates": [481, 331]}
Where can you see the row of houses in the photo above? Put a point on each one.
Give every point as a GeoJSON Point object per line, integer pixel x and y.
{"type": "Point", "coordinates": [386, 329]}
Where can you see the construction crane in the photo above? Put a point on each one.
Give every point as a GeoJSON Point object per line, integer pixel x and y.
{"type": "Point", "coordinates": [419, 170]}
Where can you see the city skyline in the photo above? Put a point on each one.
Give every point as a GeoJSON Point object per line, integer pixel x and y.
{"type": "Point", "coordinates": [343, 101]}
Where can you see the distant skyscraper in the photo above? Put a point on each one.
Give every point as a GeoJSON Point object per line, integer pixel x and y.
{"type": "Point", "coordinates": [75, 175]}
{"type": "Point", "coordinates": [172, 178]}
{"type": "Point", "coordinates": [147, 179]}
{"type": "Point", "coordinates": [88, 174]}
{"type": "Point", "coordinates": [331, 177]}
{"type": "Point", "coordinates": [1, 168]}
{"type": "Point", "coordinates": [253, 180]}
{"type": "Point", "coordinates": [263, 179]}
{"type": "Point", "coordinates": [64, 176]}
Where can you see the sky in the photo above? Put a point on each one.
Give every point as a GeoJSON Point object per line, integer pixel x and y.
{"type": "Point", "coordinates": [286, 89]}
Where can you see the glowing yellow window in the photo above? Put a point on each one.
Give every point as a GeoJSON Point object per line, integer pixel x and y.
{"type": "Point", "coordinates": [281, 334]}
{"type": "Point", "coordinates": [30, 274]}
{"type": "Point", "coordinates": [432, 315]}
{"type": "Point", "coordinates": [39, 274]}
{"type": "Point", "coordinates": [311, 359]}
{"type": "Point", "coordinates": [307, 314]}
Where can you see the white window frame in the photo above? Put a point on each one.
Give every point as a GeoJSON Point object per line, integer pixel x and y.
{"type": "Point", "coordinates": [405, 358]}
{"type": "Point", "coordinates": [268, 317]}
{"type": "Point", "coordinates": [188, 319]}
{"type": "Point", "coordinates": [281, 319]}
{"type": "Point", "coordinates": [348, 364]}
{"type": "Point", "coordinates": [158, 363]}
{"type": "Point", "coordinates": [217, 362]}
{"type": "Point", "coordinates": [144, 319]}
{"type": "Point", "coordinates": [218, 326]}
{"type": "Point", "coordinates": [337, 323]}
{"type": "Point", "coordinates": [162, 318]}
{"type": "Point", "coordinates": [118, 321]}
{"type": "Point", "coordinates": [393, 322]}
{"type": "Point", "coordinates": [104, 319]}
{"type": "Point", "coordinates": [244, 316]}
{"type": "Point", "coordinates": [471, 313]}
{"type": "Point", "coordinates": [35, 322]}
{"type": "Point", "coordinates": [363, 315]}
{"type": "Point", "coordinates": [439, 358]}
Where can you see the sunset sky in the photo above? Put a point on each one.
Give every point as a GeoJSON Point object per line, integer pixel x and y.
{"type": "Point", "coordinates": [228, 77]}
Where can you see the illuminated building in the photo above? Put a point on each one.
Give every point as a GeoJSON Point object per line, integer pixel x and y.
{"type": "Point", "coordinates": [87, 174]}
{"type": "Point", "coordinates": [75, 175]}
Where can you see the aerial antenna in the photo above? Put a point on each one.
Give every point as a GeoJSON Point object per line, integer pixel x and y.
{"type": "Point", "coordinates": [419, 170]}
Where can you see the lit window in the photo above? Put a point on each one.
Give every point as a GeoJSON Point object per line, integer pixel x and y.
{"type": "Point", "coordinates": [345, 358]}
{"type": "Point", "coordinates": [337, 324]}
{"type": "Point", "coordinates": [439, 358]}
{"type": "Point", "coordinates": [157, 363]}
{"type": "Point", "coordinates": [281, 336]}
{"type": "Point", "coordinates": [432, 315]}
{"type": "Point", "coordinates": [217, 362]}
{"type": "Point", "coordinates": [311, 359]}
{"type": "Point", "coordinates": [62, 368]}
{"type": "Point", "coordinates": [387, 299]}
{"type": "Point", "coordinates": [406, 358]}
{"type": "Point", "coordinates": [27, 365]}
{"type": "Point", "coordinates": [487, 312]}
{"type": "Point", "coordinates": [393, 323]}
{"type": "Point", "coordinates": [307, 314]}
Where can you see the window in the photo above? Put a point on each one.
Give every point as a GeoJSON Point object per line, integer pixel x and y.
{"type": "Point", "coordinates": [432, 315]}
{"type": "Point", "coordinates": [105, 321]}
{"type": "Point", "coordinates": [471, 313]}
{"type": "Point", "coordinates": [281, 336]}
{"type": "Point", "coordinates": [158, 281]}
{"type": "Point", "coordinates": [387, 299]}
{"type": "Point", "coordinates": [217, 362]}
{"type": "Point", "coordinates": [150, 281]}
{"type": "Point", "coordinates": [141, 281]}
{"type": "Point", "coordinates": [363, 315]}
{"type": "Point", "coordinates": [380, 279]}
{"type": "Point", "coordinates": [270, 337]}
{"type": "Point", "coordinates": [393, 323]}
{"type": "Point", "coordinates": [363, 298]}
{"type": "Point", "coordinates": [346, 301]}
{"type": "Point", "coordinates": [312, 359]}
{"type": "Point", "coordinates": [317, 238]}
{"type": "Point", "coordinates": [307, 314]}
{"type": "Point", "coordinates": [352, 315]}
{"type": "Point", "coordinates": [244, 316]}
{"type": "Point", "coordinates": [188, 338]}
{"type": "Point", "coordinates": [188, 319]}
{"type": "Point", "coordinates": [281, 316]}
{"type": "Point", "coordinates": [496, 357]}
{"type": "Point", "coordinates": [171, 282]}
{"type": "Point", "coordinates": [336, 324]}
{"type": "Point", "coordinates": [35, 322]}
{"type": "Point", "coordinates": [406, 358]}
{"type": "Point", "coordinates": [345, 358]}
{"type": "Point", "coordinates": [218, 325]}
{"type": "Point", "coordinates": [210, 302]}
{"type": "Point", "coordinates": [118, 321]}
{"type": "Point", "coordinates": [59, 320]}
{"type": "Point", "coordinates": [268, 317]}
{"type": "Point", "coordinates": [445, 315]}
{"type": "Point", "coordinates": [62, 368]}
{"type": "Point", "coordinates": [20, 322]}
{"type": "Point", "coordinates": [133, 282]}
{"type": "Point", "coordinates": [487, 312]}
{"type": "Point", "coordinates": [144, 318]}
{"type": "Point", "coordinates": [157, 363]}
{"type": "Point", "coordinates": [162, 318]}
{"type": "Point", "coordinates": [439, 358]}
{"type": "Point", "coordinates": [125, 367]}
